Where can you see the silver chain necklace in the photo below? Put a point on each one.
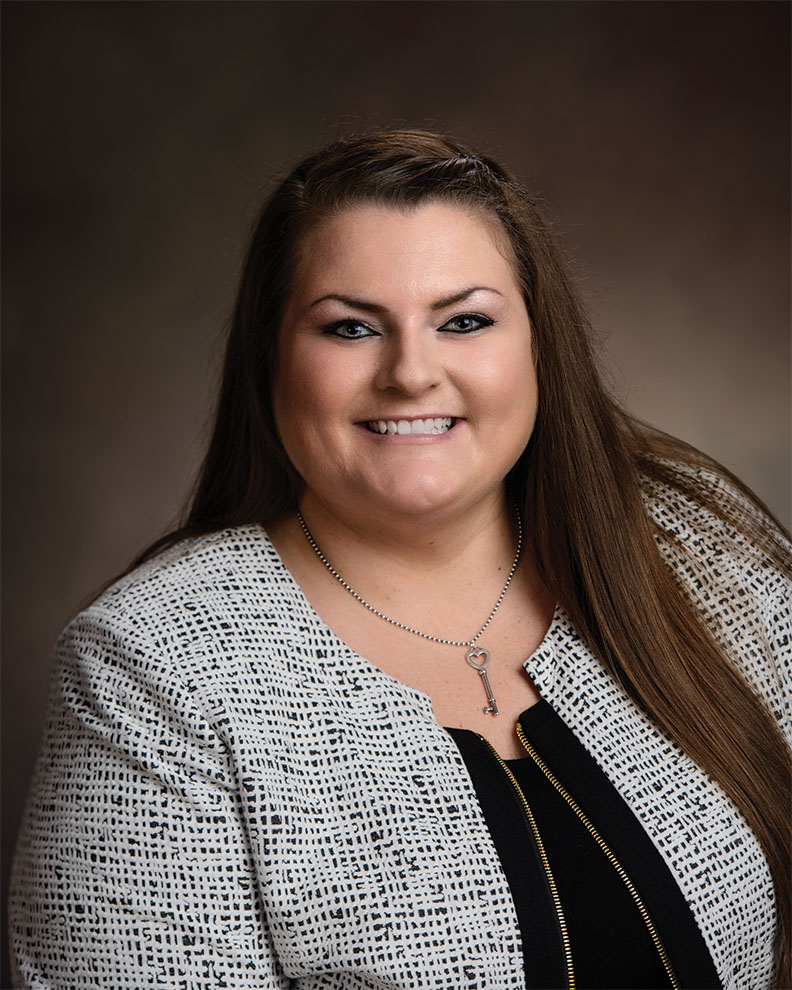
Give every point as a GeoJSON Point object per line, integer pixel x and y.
{"type": "Point", "coordinates": [476, 656]}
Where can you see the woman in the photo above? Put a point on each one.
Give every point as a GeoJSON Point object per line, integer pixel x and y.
{"type": "Point", "coordinates": [456, 676]}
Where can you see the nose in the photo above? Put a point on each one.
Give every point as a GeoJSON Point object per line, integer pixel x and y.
{"type": "Point", "coordinates": [410, 363]}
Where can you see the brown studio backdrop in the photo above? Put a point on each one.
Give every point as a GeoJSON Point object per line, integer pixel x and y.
{"type": "Point", "coordinates": [138, 139]}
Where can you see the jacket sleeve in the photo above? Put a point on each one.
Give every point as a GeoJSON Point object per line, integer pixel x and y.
{"type": "Point", "coordinates": [132, 867]}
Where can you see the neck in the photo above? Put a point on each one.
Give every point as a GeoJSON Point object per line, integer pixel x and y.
{"type": "Point", "coordinates": [458, 565]}
{"type": "Point", "coordinates": [444, 578]}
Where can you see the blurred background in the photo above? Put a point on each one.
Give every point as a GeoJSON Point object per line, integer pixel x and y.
{"type": "Point", "coordinates": [140, 138]}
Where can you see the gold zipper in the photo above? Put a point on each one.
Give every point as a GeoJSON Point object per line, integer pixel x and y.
{"type": "Point", "coordinates": [545, 863]}
{"type": "Point", "coordinates": [622, 873]}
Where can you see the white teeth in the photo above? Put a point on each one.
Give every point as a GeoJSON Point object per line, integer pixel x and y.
{"type": "Point", "coordinates": [431, 426]}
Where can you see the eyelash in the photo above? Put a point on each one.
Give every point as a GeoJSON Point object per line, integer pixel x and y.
{"type": "Point", "coordinates": [482, 322]}
{"type": "Point", "coordinates": [334, 329]}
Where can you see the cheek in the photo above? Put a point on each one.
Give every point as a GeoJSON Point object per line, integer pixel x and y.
{"type": "Point", "coordinates": [509, 398]}
{"type": "Point", "coordinates": [298, 386]}
{"type": "Point", "coordinates": [289, 398]}
{"type": "Point", "coordinates": [508, 380]}
{"type": "Point", "coordinates": [318, 391]}
{"type": "Point", "coordinates": [313, 396]}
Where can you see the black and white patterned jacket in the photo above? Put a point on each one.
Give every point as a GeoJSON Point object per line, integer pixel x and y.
{"type": "Point", "coordinates": [228, 796]}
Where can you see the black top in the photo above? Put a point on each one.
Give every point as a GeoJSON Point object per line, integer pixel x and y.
{"type": "Point", "coordinates": [610, 942]}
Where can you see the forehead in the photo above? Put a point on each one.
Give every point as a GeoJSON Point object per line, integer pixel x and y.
{"type": "Point", "coordinates": [433, 243]}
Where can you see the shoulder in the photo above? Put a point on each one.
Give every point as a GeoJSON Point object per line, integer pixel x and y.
{"type": "Point", "coordinates": [195, 597]}
{"type": "Point", "coordinates": [685, 486]}
{"type": "Point", "coordinates": [705, 512]}
{"type": "Point", "coordinates": [174, 641]}
{"type": "Point", "coordinates": [734, 563]}
{"type": "Point", "coordinates": [216, 569]}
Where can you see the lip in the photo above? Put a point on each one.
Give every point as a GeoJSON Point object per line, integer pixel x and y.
{"type": "Point", "coordinates": [410, 419]}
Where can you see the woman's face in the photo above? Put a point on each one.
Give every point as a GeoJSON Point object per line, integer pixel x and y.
{"type": "Point", "coordinates": [405, 382]}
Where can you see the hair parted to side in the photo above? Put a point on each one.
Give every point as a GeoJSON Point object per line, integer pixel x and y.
{"type": "Point", "coordinates": [578, 481]}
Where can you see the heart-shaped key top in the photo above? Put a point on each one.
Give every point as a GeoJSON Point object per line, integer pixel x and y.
{"type": "Point", "coordinates": [473, 654]}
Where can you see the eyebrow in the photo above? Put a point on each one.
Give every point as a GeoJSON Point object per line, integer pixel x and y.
{"type": "Point", "coordinates": [370, 307]}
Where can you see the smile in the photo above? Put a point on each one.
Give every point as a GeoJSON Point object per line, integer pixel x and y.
{"type": "Point", "coordinates": [402, 427]}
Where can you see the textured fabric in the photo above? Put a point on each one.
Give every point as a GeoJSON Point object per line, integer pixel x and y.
{"type": "Point", "coordinates": [610, 943]}
{"type": "Point", "coordinates": [227, 795]}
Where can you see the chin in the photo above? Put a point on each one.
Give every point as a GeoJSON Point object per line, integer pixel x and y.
{"type": "Point", "coordinates": [422, 498]}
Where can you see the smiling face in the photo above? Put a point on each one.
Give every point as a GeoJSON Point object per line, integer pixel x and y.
{"type": "Point", "coordinates": [405, 381]}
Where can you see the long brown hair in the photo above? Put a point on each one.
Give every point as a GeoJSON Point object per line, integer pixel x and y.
{"type": "Point", "coordinates": [578, 480]}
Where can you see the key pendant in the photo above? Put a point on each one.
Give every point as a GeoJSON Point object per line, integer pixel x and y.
{"type": "Point", "coordinates": [473, 654]}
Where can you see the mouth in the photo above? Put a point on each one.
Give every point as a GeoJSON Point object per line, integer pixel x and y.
{"type": "Point", "coordinates": [432, 426]}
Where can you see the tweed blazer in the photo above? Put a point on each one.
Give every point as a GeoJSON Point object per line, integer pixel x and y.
{"type": "Point", "coordinates": [228, 795]}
